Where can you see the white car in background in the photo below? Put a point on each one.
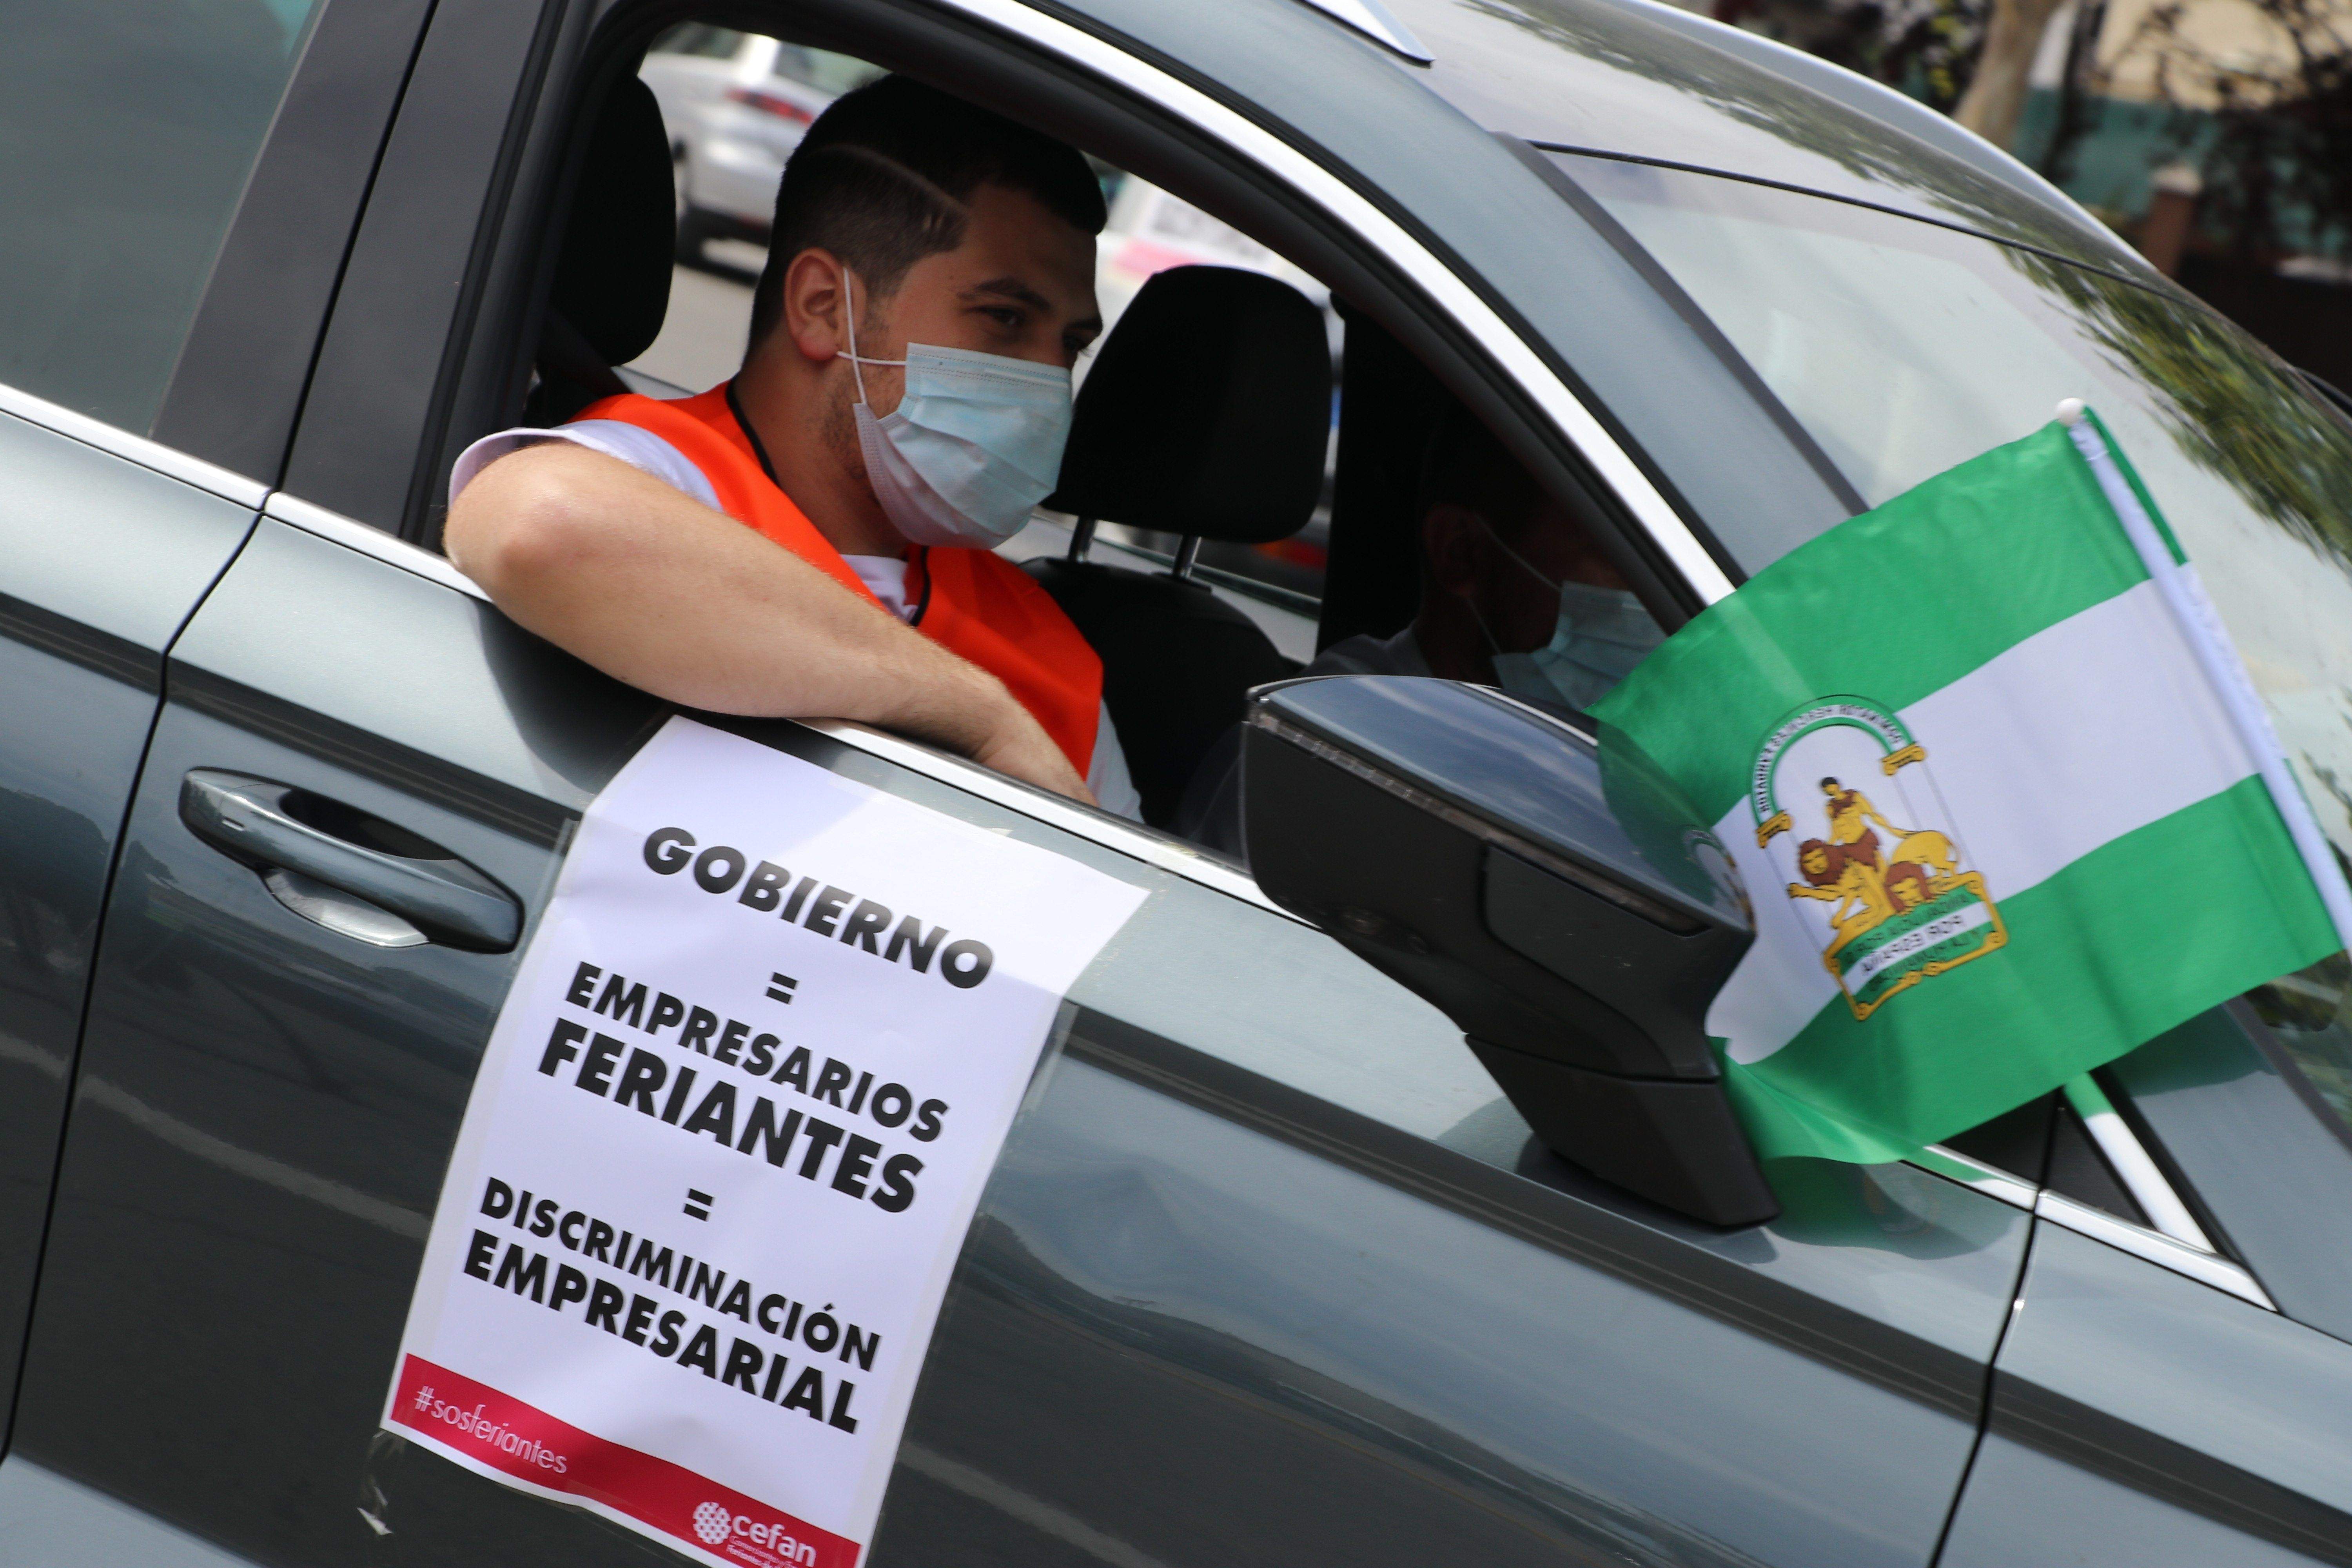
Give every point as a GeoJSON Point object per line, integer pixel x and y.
{"type": "Point", "coordinates": [735, 105]}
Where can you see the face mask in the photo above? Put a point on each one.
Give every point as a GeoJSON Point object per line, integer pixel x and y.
{"type": "Point", "coordinates": [1601, 634]}
{"type": "Point", "coordinates": [974, 444]}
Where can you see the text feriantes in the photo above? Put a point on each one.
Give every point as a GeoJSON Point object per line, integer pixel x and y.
{"type": "Point", "coordinates": [666, 1091]}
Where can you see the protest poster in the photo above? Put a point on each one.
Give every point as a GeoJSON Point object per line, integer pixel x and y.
{"type": "Point", "coordinates": [725, 1144]}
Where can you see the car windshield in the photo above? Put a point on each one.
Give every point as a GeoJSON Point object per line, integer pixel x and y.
{"type": "Point", "coordinates": [1903, 348]}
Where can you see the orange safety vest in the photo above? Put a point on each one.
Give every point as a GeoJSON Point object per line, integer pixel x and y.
{"type": "Point", "coordinates": [972, 603]}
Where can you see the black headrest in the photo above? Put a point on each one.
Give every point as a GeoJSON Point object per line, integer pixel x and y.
{"type": "Point", "coordinates": [612, 277]}
{"type": "Point", "coordinates": [1208, 411]}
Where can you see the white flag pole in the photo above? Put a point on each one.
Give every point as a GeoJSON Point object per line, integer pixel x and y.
{"type": "Point", "coordinates": [2194, 614]}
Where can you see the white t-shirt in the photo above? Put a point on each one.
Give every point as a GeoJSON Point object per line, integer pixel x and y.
{"type": "Point", "coordinates": [884, 576]}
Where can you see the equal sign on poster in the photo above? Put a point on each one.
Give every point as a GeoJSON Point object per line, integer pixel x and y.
{"type": "Point", "coordinates": [726, 1142]}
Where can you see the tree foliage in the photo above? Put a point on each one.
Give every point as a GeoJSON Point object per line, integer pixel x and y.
{"type": "Point", "coordinates": [2273, 137]}
{"type": "Point", "coordinates": [2231, 408]}
{"type": "Point", "coordinates": [1925, 48]}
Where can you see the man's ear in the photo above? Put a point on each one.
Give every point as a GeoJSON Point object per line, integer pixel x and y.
{"type": "Point", "coordinates": [1453, 541]}
{"type": "Point", "coordinates": [815, 305]}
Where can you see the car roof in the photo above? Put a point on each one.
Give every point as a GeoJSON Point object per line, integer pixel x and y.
{"type": "Point", "coordinates": [1627, 79]}
{"type": "Point", "coordinates": [1636, 78]}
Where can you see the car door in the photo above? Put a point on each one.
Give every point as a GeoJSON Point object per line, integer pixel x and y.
{"type": "Point", "coordinates": [81, 654]}
{"type": "Point", "coordinates": [152, 153]}
{"type": "Point", "coordinates": [1269, 1273]}
{"type": "Point", "coordinates": [2148, 1404]}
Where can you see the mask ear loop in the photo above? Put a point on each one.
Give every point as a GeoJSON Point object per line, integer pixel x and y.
{"type": "Point", "coordinates": [1494, 648]}
{"type": "Point", "coordinates": [849, 299]}
{"type": "Point", "coordinates": [1521, 561]}
{"type": "Point", "coordinates": [1470, 601]}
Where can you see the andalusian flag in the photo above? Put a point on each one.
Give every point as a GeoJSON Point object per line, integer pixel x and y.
{"type": "Point", "coordinates": [2003, 798]}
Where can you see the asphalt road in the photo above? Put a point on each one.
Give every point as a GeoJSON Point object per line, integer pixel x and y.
{"type": "Point", "coordinates": [702, 342]}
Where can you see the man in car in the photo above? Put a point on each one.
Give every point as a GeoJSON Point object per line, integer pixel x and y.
{"type": "Point", "coordinates": [1514, 594]}
{"type": "Point", "coordinates": [811, 539]}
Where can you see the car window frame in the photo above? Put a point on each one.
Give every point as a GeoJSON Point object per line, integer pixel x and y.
{"type": "Point", "coordinates": [1499, 375]}
{"type": "Point", "coordinates": [1017, 55]}
{"type": "Point", "coordinates": [236, 388]}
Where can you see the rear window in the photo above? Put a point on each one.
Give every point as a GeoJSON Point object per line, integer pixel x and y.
{"type": "Point", "coordinates": [128, 129]}
{"type": "Point", "coordinates": [700, 39]}
{"type": "Point", "coordinates": [830, 73]}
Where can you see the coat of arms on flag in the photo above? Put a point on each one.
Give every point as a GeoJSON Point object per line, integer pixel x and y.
{"type": "Point", "coordinates": [1893, 897]}
{"type": "Point", "coordinates": [1994, 836]}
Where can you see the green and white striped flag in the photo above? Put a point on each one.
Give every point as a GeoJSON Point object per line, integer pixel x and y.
{"type": "Point", "coordinates": [2003, 798]}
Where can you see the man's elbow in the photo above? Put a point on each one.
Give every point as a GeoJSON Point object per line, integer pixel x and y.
{"type": "Point", "coordinates": [518, 527]}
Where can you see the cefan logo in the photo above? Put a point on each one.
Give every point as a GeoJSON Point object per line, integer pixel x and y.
{"type": "Point", "coordinates": [717, 1525]}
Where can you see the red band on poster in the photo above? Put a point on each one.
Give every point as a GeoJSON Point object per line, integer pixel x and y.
{"type": "Point", "coordinates": [506, 1434]}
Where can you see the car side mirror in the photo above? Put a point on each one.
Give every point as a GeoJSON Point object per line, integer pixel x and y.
{"type": "Point", "coordinates": [1561, 902]}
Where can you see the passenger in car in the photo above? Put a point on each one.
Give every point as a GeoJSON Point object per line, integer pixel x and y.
{"type": "Point", "coordinates": [902, 405]}
{"type": "Point", "coordinates": [1514, 594]}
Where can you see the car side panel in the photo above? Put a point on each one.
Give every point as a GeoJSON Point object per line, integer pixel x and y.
{"type": "Point", "coordinates": [1240, 1336]}
{"type": "Point", "coordinates": [1195, 1282]}
{"type": "Point", "coordinates": [2141, 1418]}
{"type": "Point", "coordinates": [104, 559]}
{"type": "Point", "coordinates": [57, 1523]}
{"type": "Point", "coordinates": [2049, 1511]}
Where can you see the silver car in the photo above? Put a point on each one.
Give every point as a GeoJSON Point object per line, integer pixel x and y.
{"type": "Point", "coordinates": [735, 105]}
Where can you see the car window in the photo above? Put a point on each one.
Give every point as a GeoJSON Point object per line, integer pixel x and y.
{"type": "Point", "coordinates": [2311, 1024]}
{"type": "Point", "coordinates": [1905, 349]}
{"type": "Point", "coordinates": [127, 130]}
{"type": "Point", "coordinates": [1176, 737]}
{"type": "Point", "coordinates": [697, 39]}
{"type": "Point", "coordinates": [830, 73]}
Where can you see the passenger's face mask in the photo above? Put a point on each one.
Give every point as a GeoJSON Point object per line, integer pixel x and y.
{"type": "Point", "coordinates": [973, 445]}
{"type": "Point", "coordinates": [1601, 635]}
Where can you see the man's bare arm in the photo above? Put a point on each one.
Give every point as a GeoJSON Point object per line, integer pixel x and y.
{"type": "Point", "coordinates": [659, 590]}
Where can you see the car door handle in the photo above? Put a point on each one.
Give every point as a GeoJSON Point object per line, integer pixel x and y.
{"type": "Point", "coordinates": [275, 828]}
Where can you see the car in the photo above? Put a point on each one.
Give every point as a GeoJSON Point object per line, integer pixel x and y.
{"type": "Point", "coordinates": [735, 105]}
{"type": "Point", "coordinates": [1271, 1269]}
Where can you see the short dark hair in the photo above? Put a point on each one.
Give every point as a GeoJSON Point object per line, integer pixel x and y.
{"type": "Point", "coordinates": [882, 177]}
